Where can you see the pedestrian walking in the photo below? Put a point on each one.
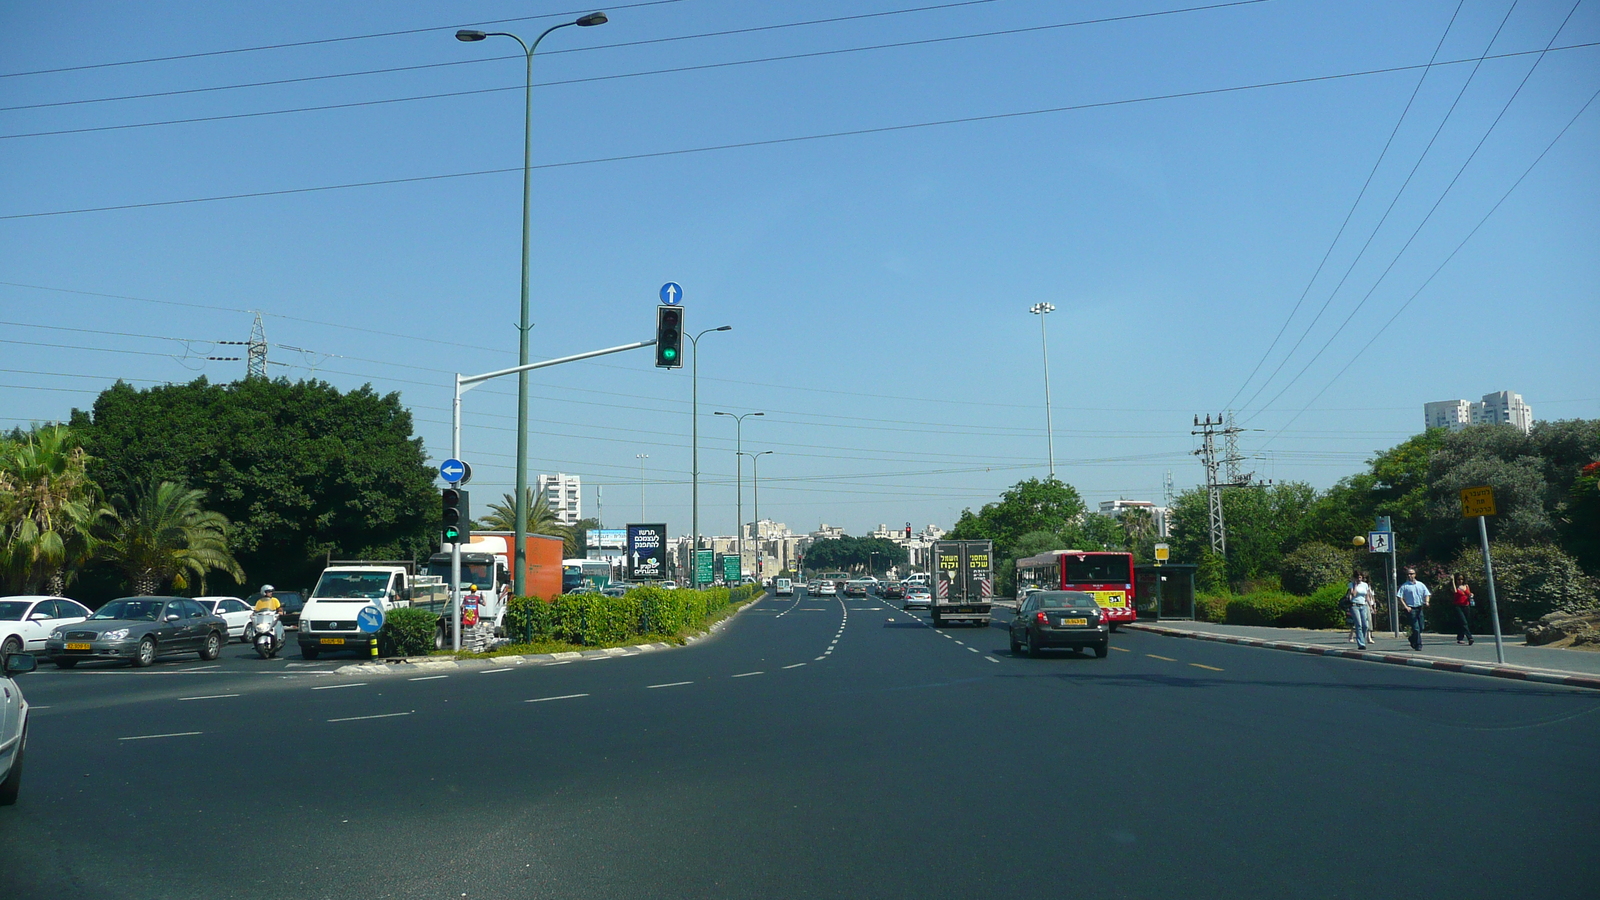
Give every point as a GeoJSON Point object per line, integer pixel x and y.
{"type": "Point", "coordinates": [1360, 595]}
{"type": "Point", "coordinates": [1414, 594]}
{"type": "Point", "coordinates": [1463, 602]}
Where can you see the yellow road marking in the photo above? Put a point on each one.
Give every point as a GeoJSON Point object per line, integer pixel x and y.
{"type": "Point", "coordinates": [1122, 649]}
{"type": "Point", "coordinates": [1167, 658]}
{"type": "Point", "coordinates": [1211, 668]}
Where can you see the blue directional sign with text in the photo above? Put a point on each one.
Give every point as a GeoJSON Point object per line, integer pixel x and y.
{"type": "Point", "coordinates": [452, 470]}
{"type": "Point", "coordinates": [671, 293]}
{"type": "Point", "coordinates": [646, 552]}
{"type": "Point", "coordinates": [370, 619]}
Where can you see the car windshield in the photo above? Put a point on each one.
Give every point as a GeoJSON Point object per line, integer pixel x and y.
{"type": "Point", "coordinates": [1065, 600]}
{"type": "Point", "coordinates": [134, 610]}
{"type": "Point", "coordinates": [12, 610]}
{"type": "Point", "coordinates": [1097, 569]}
{"type": "Point", "coordinates": [351, 586]}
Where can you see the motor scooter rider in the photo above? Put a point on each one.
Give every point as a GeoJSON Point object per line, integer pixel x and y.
{"type": "Point", "coordinates": [269, 603]}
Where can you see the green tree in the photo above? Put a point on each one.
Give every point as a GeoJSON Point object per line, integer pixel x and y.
{"type": "Point", "coordinates": [164, 534]}
{"type": "Point", "coordinates": [1314, 565]}
{"type": "Point", "coordinates": [577, 537]}
{"type": "Point", "coordinates": [49, 508]}
{"type": "Point", "coordinates": [1530, 581]}
{"type": "Point", "coordinates": [541, 518]}
{"type": "Point", "coordinates": [300, 469]}
{"type": "Point", "coordinates": [1028, 506]}
{"type": "Point", "coordinates": [1262, 522]}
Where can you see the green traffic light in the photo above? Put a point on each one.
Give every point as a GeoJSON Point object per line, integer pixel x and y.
{"type": "Point", "coordinates": [670, 353]}
{"type": "Point", "coordinates": [452, 533]}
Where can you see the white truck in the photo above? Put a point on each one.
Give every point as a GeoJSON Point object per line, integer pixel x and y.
{"type": "Point", "coordinates": [486, 565]}
{"type": "Point", "coordinates": [328, 622]}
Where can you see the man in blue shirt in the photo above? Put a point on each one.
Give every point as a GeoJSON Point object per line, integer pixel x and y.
{"type": "Point", "coordinates": [1414, 594]}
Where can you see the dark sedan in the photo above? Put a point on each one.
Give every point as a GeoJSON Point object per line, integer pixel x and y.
{"type": "Point", "coordinates": [139, 629]}
{"type": "Point", "coordinates": [892, 590]}
{"type": "Point", "coordinates": [1059, 619]}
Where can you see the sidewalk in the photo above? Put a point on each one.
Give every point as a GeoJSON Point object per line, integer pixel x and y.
{"type": "Point", "coordinates": [1578, 668]}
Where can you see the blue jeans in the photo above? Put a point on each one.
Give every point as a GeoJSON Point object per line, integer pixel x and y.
{"type": "Point", "coordinates": [1361, 621]}
{"type": "Point", "coordinates": [1416, 626]}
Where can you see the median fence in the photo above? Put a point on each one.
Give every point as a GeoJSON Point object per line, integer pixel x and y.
{"type": "Point", "coordinates": [594, 619]}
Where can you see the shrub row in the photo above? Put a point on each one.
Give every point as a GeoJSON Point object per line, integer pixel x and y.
{"type": "Point", "coordinates": [407, 632]}
{"type": "Point", "coordinates": [593, 619]}
{"type": "Point", "coordinates": [1278, 609]}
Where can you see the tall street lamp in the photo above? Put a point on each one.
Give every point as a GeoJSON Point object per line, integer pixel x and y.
{"type": "Point", "coordinates": [755, 481]}
{"type": "Point", "coordinates": [738, 464]}
{"type": "Point", "coordinates": [694, 441]}
{"type": "Point", "coordinates": [1041, 310]}
{"type": "Point", "coordinates": [641, 457]}
{"type": "Point", "coordinates": [469, 36]}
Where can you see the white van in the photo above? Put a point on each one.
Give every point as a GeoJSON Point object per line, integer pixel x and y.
{"type": "Point", "coordinates": [783, 587]}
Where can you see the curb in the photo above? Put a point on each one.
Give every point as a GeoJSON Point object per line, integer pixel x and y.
{"type": "Point", "coordinates": [1421, 662]}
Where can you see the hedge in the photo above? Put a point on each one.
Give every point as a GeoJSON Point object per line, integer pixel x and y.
{"type": "Point", "coordinates": [595, 619]}
{"type": "Point", "coordinates": [407, 632]}
{"type": "Point", "coordinates": [1277, 609]}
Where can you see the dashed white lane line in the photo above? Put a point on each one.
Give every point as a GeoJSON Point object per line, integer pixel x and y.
{"type": "Point", "coordinates": [334, 687]}
{"type": "Point", "coordinates": [364, 718]}
{"type": "Point", "coordinates": [668, 684]}
{"type": "Point", "coordinates": [973, 649]}
{"type": "Point", "coordinates": [795, 666]}
{"type": "Point", "coordinates": [1163, 658]}
{"type": "Point", "coordinates": [962, 643]}
{"type": "Point", "coordinates": [818, 659]}
{"type": "Point", "coordinates": [1122, 649]}
{"type": "Point", "coordinates": [428, 678]}
{"type": "Point", "coordinates": [991, 659]}
{"type": "Point", "coordinates": [209, 697]}
{"type": "Point", "coordinates": [1201, 666]}
{"type": "Point", "coordinates": [492, 671]}
{"type": "Point", "coordinates": [561, 697]}
{"type": "Point", "coordinates": [748, 674]}
{"type": "Point", "coordinates": [149, 737]}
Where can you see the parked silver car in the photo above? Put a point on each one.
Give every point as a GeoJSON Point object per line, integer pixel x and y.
{"type": "Point", "coordinates": [139, 629]}
{"type": "Point", "coordinates": [13, 724]}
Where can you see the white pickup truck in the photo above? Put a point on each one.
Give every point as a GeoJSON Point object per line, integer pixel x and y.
{"type": "Point", "coordinates": [328, 622]}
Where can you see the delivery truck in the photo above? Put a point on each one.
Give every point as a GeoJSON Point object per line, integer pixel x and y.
{"type": "Point", "coordinates": [963, 581]}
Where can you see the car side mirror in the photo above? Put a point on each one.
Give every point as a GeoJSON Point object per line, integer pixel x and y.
{"type": "Point", "coordinates": [172, 617]}
{"type": "Point", "coordinates": [38, 617]}
{"type": "Point", "coordinates": [17, 663]}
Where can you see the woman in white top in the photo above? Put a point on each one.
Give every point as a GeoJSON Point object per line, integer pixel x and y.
{"type": "Point", "coordinates": [1360, 609]}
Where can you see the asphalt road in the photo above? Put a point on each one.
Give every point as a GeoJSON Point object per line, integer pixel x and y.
{"type": "Point", "coordinates": [814, 748]}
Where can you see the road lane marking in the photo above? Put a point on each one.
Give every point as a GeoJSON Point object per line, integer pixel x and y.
{"type": "Point", "coordinates": [147, 737]}
{"type": "Point", "coordinates": [973, 649]}
{"type": "Point", "coordinates": [1199, 666]}
{"type": "Point", "coordinates": [364, 718]}
{"type": "Point", "coordinates": [562, 697]}
{"type": "Point", "coordinates": [1122, 649]}
{"type": "Point", "coordinates": [427, 677]}
{"type": "Point", "coordinates": [668, 684]}
{"type": "Point", "coordinates": [1167, 658]}
{"type": "Point", "coordinates": [795, 666]}
{"type": "Point", "coordinates": [824, 656]}
{"type": "Point", "coordinates": [991, 659]}
{"type": "Point", "coordinates": [330, 687]}
{"type": "Point", "coordinates": [959, 642]}
{"type": "Point", "coordinates": [748, 674]}
{"type": "Point", "coordinates": [492, 671]}
{"type": "Point", "coordinates": [209, 697]}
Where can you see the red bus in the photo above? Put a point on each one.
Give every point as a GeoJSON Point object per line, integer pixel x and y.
{"type": "Point", "coordinates": [1106, 575]}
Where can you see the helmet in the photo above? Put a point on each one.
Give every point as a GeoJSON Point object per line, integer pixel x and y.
{"type": "Point", "coordinates": [267, 589]}
{"type": "Point", "coordinates": [473, 588]}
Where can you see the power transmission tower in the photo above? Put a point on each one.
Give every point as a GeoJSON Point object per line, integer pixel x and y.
{"type": "Point", "coordinates": [255, 351]}
{"type": "Point", "coordinates": [1217, 480]}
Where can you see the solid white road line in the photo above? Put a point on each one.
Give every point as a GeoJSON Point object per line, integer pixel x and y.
{"type": "Point", "coordinates": [147, 737]}
{"type": "Point", "coordinates": [668, 684]}
{"type": "Point", "coordinates": [363, 718]}
{"type": "Point", "coordinates": [748, 674]}
{"type": "Point", "coordinates": [330, 687]}
{"type": "Point", "coordinates": [427, 677]}
{"type": "Point", "coordinates": [209, 697]}
{"type": "Point", "coordinates": [795, 666]}
{"type": "Point", "coordinates": [562, 697]}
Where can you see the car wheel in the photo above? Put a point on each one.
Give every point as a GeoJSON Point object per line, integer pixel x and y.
{"type": "Point", "coordinates": [1101, 650]}
{"type": "Point", "coordinates": [1016, 648]}
{"type": "Point", "coordinates": [1113, 627]}
{"type": "Point", "coordinates": [309, 652]}
{"type": "Point", "coordinates": [212, 648]}
{"type": "Point", "coordinates": [1033, 646]}
{"type": "Point", "coordinates": [147, 653]}
{"type": "Point", "coordinates": [13, 783]}
{"type": "Point", "coordinates": [12, 645]}
{"type": "Point", "coordinates": [63, 663]}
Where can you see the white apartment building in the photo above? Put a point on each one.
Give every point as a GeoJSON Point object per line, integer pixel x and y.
{"type": "Point", "coordinates": [564, 495]}
{"type": "Point", "coordinates": [1499, 408]}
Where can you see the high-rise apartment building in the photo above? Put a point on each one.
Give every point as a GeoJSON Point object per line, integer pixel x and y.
{"type": "Point", "coordinates": [564, 495]}
{"type": "Point", "coordinates": [1499, 408]}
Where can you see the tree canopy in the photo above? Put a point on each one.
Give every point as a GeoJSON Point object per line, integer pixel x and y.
{"type": "Point", "coordinates": [852, 554]}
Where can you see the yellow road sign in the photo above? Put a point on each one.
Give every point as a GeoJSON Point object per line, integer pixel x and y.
{"type": "Point", "coordinates": [1161, 552]}
{"type": "Point", "coordinates": [1477, 501]}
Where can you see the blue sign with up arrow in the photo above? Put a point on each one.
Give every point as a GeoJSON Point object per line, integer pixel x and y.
{"type": "Point", "coordinates": [671, 293]}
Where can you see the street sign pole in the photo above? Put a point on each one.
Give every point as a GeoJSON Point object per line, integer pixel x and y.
{"type": "Point", "coordinates": [1478, 503]}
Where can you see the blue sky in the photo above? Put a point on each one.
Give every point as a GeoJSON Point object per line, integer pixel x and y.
{"type": "Point", "coordinates": [878, 283]}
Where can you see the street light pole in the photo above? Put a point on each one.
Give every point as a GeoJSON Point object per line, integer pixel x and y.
{"type": "Point", "coordinates": [755, 483]}
{"type": "Point", "coordinates": [641, 457]}
{"type": "Point", "coordinates": [694, 441]}
{"type": "Point", "coordinates": [738, 478]}
{"type": "Point", "coordinates": [1041, 310]}
{"type": "Point", "coordinates": [524, 325]}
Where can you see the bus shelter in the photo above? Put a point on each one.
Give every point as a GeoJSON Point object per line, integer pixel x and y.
{"type": "Point", "coordinates": [1164, 592]}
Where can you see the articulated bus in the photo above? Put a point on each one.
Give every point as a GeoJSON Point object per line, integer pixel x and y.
{"type": "Point", "coordinates": [1106, 575]}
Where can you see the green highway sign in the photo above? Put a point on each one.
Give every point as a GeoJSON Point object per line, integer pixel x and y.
{"type": "Point", "coordinates": [731, 569]}
{"type": "Point", "coordinates": [704, 560]}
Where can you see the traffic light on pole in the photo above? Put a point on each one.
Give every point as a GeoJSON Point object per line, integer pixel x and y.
{"type": "Point", "coordinates": [669, 337]}
{"type": "Point", "coordinates": [457, 517]}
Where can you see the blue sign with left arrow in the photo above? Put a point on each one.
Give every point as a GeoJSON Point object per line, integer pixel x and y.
{"type": "Point", "coordinates": [370, 619]}
{"type": "Point", "coordinates": [452, 470]}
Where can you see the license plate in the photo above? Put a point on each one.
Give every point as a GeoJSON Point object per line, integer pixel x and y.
{"type": "Point", "coordinates": [333, 640]}
{"type": "Point", "coordinates": [1074, 621]}
{"type": "Point", "coordinates": [79, 646]}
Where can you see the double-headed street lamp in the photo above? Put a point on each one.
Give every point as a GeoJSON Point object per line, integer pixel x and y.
{"type": "Point", "coordinates": [470, 36]}
{"type": "Point", "coordinates": [694, 441]}
{"type": "Point", "coordinates": [1041, 310]}
{"type": "Point", "coordinates": [755, 481]}
{"type": "Point", "coordinates": [738, 463]}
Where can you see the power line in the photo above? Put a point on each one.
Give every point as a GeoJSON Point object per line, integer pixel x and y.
{"type": "Point", "coordinates": [357, 104]}
{"type": "Point", "coordinates": [740, 145]}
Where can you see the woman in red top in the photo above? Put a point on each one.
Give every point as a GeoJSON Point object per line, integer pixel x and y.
{"type": "Point", "coordinates": [1463, 602]}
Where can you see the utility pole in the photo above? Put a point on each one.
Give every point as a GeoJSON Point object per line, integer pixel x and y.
{"type": "Point", "coordinates": [1215, 479]}
{"type": "Point", "coordinates": [641, 457]}
{"type": "Point", "coordinates": [255, 351]}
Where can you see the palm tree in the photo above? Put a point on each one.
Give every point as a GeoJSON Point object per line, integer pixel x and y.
{"type": "Point", "coordinates": [165, 534]}
{"type": "Point", "coordinates": [541, 518]}
{"type": "Point", "coordinates": [49, 508]}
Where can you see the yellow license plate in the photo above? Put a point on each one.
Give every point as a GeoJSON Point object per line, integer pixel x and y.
{"type": "Point", "coordinates": [1074, 621]}
{"type": "Point", "coordinates": [333, 640]}
{"type": "Point", "coordinates": [79, 646]}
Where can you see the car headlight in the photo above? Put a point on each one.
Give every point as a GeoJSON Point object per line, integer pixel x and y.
{"type": "Point", "coordinates": [114, 635]}
{"type": "Point", "coordinates": [305, 625]}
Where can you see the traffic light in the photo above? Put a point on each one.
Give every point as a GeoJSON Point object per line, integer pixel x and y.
{"type": "Point", "coordinates": [457, 517]}
{"type": "Point", "coordinates": [669, 337]}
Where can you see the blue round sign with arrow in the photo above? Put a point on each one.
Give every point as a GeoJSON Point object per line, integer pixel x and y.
{"type": "Point", "coordinates": [453, 471]}
{"type": "Point", "coordinates": [370, 619]}
{"type": "Point", "coordinates": [672, 293]}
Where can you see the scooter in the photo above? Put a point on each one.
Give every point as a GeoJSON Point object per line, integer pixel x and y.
{"type": "Point", "coordinates": [265, 632]}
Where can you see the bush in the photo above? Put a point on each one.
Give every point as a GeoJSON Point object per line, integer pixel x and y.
{"type": "Point", "coordinates": [1279, 609]}
{"type": "Point", "coordinates": [1260, 608]}
{"type": "Point", "coordinates": [1530, 582]}
{"type": "Point", "coordinates": [1211, 607]}
{"type": "Point", "coordinates": [407, 632]}
{"type": "Point", "coordinates": [1211, 573]}
{"type": "Point", "coordinates": [594, 619]}
{"type": "Point", "coordinates": [1313, 566]}
{"type": "Point", "coordinates": [1320, 610]}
